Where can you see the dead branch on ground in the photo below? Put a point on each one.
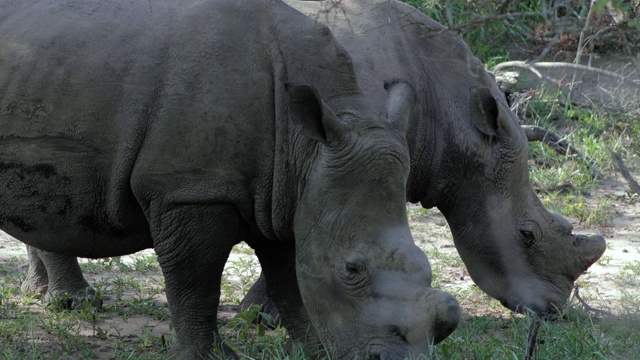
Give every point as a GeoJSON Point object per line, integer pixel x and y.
{"type": "Point", "coordinates": [587, 307]}
{"type": "Point", "coordinates": [534, 68]}
{"type": "Point", "coordinates": [537, 133]}
{"type": "Point", "coordinates": [622, 169]}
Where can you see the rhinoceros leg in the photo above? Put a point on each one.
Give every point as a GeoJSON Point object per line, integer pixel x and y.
{"type": "Point", "coordinates": [281, 284]}
{"type": "Point", "coordinates": [193, 243]}
{"type": "Point", "coordinates": [36, 280]}
{"type": "Point", "coordinates": [59, 278]}
{"type": "Point", "coordinates": [257, 295]}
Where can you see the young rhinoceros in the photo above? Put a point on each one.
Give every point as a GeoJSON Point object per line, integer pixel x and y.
{"type": "Point", "coordinates": [468, 153]}
{"type": "Point", "coordinates": [167, 124]}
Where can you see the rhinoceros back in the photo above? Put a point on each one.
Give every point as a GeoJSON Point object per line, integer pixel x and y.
{"type": "Point", "coordinates": [75, 87]}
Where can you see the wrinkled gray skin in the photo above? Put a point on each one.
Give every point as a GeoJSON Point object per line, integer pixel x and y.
{"type": "Point", "coordinates": [128, 125]}
{"type": "Point", "coordinates": [468, 154]}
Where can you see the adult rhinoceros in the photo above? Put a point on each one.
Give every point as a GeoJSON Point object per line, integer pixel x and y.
{"type": "Point", "coordinates": [131, 124]}
{"type": "Point", "coordinates": [468, 153]}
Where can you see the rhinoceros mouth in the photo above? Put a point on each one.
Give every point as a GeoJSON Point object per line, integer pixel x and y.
{"type": "Point", "coordinates": [382, 353]}
{"type": "Point", "coordinates": [393, 350]}
{"type": "Point", "coordinates": [546, 306]}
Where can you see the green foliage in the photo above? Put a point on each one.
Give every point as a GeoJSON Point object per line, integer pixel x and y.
{"type": "Point", "coordinates": [244, 270]}
{"type": "Point", "coordinates": [577, 206]}
{"type": "Point", "coordinates": [486, 35]}
{"type": "Point", "coordinates": [633, 268]}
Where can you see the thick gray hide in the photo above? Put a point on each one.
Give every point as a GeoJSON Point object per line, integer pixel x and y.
{"type": "Point", "coordinates": [126, 125]}
{"type": "Point", "coordinates": [468, 154]}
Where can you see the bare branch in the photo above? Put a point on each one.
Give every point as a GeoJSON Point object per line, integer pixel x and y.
{"type": "Point", "coordinates": [635, 188]}
{"type": "Point", "coordinates": [537, 133]}
{"type": "Point", "coordinates": [534, 67]}
{"type": "Point", "coordinates": [612, 74]}
{"type": "Point", "coordinates": [586, 306]}
{"type": "Point", "coordinates": [587, 22]}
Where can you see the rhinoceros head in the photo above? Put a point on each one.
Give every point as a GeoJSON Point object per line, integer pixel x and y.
{"type": "Point", "coordinates": [365, 285]}
{"type": "Point", "coordinates": [514, 249]}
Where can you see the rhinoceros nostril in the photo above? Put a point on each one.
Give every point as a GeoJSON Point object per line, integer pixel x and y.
{"type": "Point", "coordinates": [396, 331]}
{"type": "Point", "coordinates": [579, 240]}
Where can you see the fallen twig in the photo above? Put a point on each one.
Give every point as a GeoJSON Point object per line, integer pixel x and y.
{"type": "Point", "coordinates": [537, 133]}
{"type": "Point", "coordinates": [622, 169]}
{"type": "Point", "coordinates": [586, 306]}
{"type": "Point", "coordinates": [498, 71]}
{"type": "Point", "coordinates": [533, 67]}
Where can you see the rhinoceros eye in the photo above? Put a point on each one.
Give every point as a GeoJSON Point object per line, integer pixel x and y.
{"type": "Point", "coordinates": [355, 277]}
{"type": "Point", "coordinates": [528, 239]}
{"type": "Point", "coordinates": [355, 265]}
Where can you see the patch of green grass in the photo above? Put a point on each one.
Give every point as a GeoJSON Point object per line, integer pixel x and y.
{"type": "Point", "coordinates": [604, 260]}
{"type": "Point", "coordinates": [577, 336]}
{"type": "Point", "coordinates": [257, 342]}
{"type": "Point", "coordinates": [577, 206]}
{"type": "Point", "coordinates": [416, 212]}
{"type": "Point", "coordinates": [243, 248]}
{"type": "Point", "coordinates": [633, 268]}
{"type": "Point", "coordinates": [239, 274]}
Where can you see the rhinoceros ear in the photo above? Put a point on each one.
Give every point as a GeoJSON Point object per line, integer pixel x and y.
{"type": "Point", "coordinates": [484, 110]}
{"type": "Point", "coordinates": [400, 103]}
{"type": "Point", "coordinates": [315, 118]}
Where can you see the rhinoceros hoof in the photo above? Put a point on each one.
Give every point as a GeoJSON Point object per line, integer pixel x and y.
{"type": "Point", "coordinates": [77, 300]}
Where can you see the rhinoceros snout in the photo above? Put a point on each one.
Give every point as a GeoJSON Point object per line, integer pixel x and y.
{"type": "Point", "coordinates": [447, 319]}
{"type": "Point", "coordinates": [590, 249]}
{"type": "Point", "coordinates": [595, 242]}
{"type": "Point", "coordinates": [439, 317]}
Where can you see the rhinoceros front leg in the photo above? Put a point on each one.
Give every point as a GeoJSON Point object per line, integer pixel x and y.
{"type": "Point", "coordinates": [59, 278]}
{"type": "Point", "coordinates": [193, 243]}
